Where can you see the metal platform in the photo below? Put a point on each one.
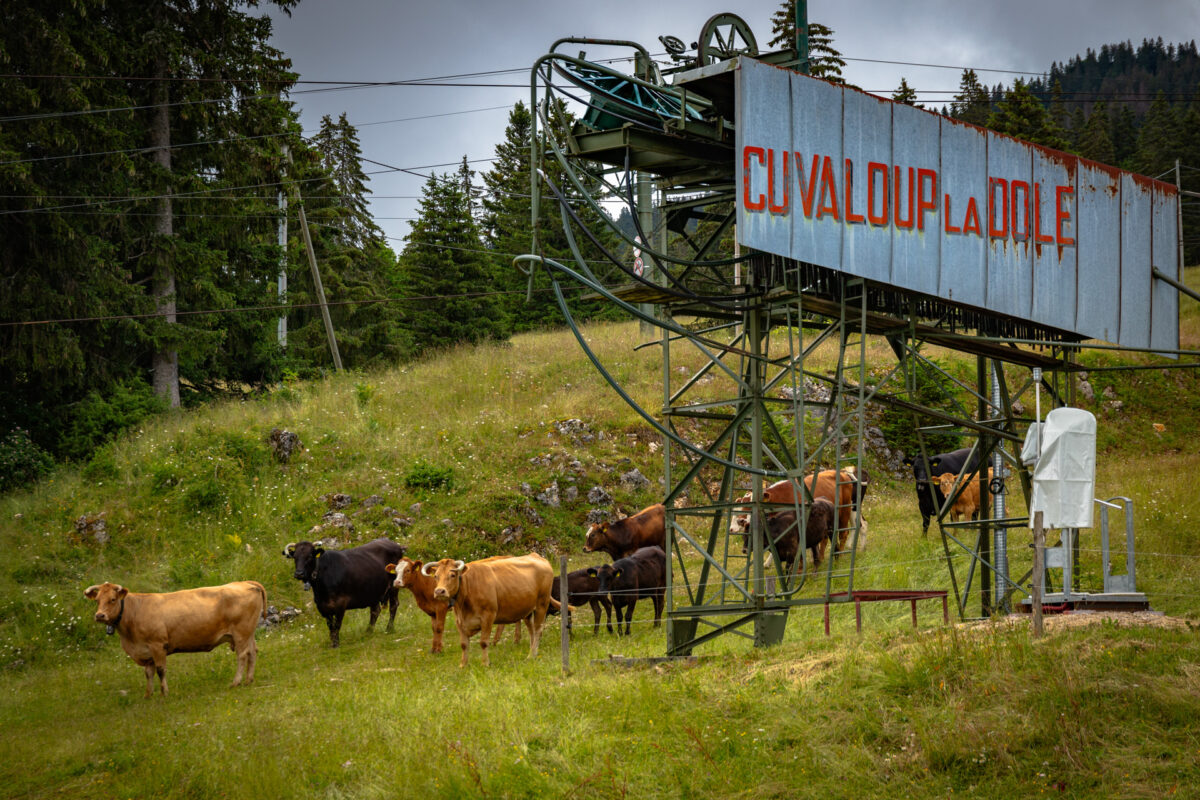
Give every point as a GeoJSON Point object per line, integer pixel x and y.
{"type": "Point", "coordinates": [1058, 602]}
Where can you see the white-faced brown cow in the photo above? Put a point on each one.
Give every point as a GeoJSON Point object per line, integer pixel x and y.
{"type": "Point", "coordinates": [152, 626]}
{"type": "Point", "coordinates": [647, 528]}
{"type": "Point", "coordinates": [409, 576]}
{"type": "Point", "coordinates": [494, 592]}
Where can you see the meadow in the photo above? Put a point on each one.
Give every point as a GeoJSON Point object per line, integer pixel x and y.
{"type": "Point", "coordinates": [975, 709]}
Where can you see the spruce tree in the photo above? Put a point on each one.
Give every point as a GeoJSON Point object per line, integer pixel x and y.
{"type": "Point", "coordinates": [76, 240]}
{"type": "Point", "coordinates": [1022, 115]}
{"type": "Point", "coordinates": [973, 103]}
{"type": "Point", "coordinates": [357, 266]}
{"type": "Point", "coordinates": [507, 224]}
{"type": "Point", "coordinates": [906, 94]}
{"type": "Point", "coordinates": [824, 60]}
{"type": "Point", "coordinates": [445, 275]}
{"type": "Point", "coordinates": [1094, 141]}
{"type": "Point", "coordinates": [1158, 142]}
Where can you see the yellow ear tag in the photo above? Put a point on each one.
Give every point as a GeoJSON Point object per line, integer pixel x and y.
{"type": "Point", "coordinates": [318, 555]}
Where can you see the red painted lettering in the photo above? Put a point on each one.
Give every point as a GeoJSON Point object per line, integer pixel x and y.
{"type": "Point", "coordinates": [1061, 214]}
{"type": "Point", "coordinates": [761, 202]}
{"type": "Point", "coordinates": [808, 185]}
{"type": "Point", "coordinates": [950, 228]}
{"type": "Point", "coordinates": [1018, 206]}
{"type": "Point", "coordinates": [900, 221]}
{"type": "Point", "coordinates": [772, 206]}
{"type": "Point", "coordinates": [971, 223]}
{"type": "Point", "coordinates": [1038, 237]}
{"type": "Point", "coordinates": [828, 190]}
{"type": "Point", "coordinates": [874, 168]}
{"type": "Point", "coordinates": [850, 215]}
{"type": "Point", "coordinates": [926, 203]}
{"type": "Point", "coordinates": [993, 231]}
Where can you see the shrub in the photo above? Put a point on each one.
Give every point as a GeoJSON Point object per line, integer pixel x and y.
{"type": "Point", "coordinates": [930, 389]}
{"type": "Point", "coordinates": [98, 419]}
{"type": "Point", "coordinates": [423, 475]}
{"type": "Point", "coordinates": [21, 460]}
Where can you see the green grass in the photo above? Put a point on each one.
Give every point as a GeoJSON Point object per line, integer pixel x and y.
{"type": "Point", "coordinates": [192, 499]}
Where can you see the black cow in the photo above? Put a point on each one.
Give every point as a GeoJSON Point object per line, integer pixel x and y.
{"type": "Point", "coordinates": [643, 573]}
{"type": "Point", "coordinates": [346, 579]}
{"type": "Point", "coordinates": [929, 496]}
{"type": "Point", "coordinates": [583, 588]}
{"type": "Point", "coordinates": [783, 530]}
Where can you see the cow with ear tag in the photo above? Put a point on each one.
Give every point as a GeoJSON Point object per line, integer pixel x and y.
{"type": "Point", "coordinates": [641, 574]}
{"type": "Point", "coordinates": [494, 591]}
{"type": "Point", "coordinates": [152, 626]}
{"type": "Point", "coordinates": [346, 579]}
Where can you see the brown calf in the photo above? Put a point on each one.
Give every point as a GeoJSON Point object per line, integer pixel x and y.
{"type": "Point", "coordinates": [966, 504]}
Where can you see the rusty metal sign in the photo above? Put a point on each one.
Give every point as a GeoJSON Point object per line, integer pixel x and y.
{"type": "Point", "coordinates": [908, 198]}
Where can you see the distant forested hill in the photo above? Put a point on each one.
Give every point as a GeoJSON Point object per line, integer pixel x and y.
{"type": "Point", "coordinates": [1132, 77]}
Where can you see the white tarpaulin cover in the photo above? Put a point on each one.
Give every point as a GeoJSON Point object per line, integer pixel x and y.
{"type": "Point", "coordinates": [1064, 480]}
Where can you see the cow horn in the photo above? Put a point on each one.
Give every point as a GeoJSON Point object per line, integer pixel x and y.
{"type": "Point", "coordinates": [425, 569]}
{"type": "Point", "coordinates": [459, 565]}
{"type": "Point", "coordinates": [290, 550]}
{"type": "Point", "coordinates": [91, 592]}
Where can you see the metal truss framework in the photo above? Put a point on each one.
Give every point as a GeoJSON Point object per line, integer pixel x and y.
{"type": "Point", "coordinates": [740, 402]}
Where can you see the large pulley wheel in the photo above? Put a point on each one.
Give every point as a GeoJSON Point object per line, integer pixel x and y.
{"type": "Point", "coordinates": [723, 37]}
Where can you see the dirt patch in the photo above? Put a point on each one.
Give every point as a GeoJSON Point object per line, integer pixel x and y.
{"type": "Point", "coordinates": [1083, 619]}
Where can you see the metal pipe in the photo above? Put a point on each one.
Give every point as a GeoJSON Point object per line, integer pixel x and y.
{"type": "Point", "coordinates": [998, 509]}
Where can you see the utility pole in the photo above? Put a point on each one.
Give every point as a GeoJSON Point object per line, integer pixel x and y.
{"type": "Point", "coordinates": [316, 276]}
{"type": "Point", "coordinates": [283, 258]}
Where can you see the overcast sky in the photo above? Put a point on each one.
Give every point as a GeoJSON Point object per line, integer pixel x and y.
{"type": "Point", "coordinates": [391, 40]}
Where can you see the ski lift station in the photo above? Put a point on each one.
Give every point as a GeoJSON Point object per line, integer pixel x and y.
{"type": "Point", "coordinates": [852, 217]}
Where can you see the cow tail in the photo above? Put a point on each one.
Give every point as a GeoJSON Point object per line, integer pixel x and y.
{"type": "Point", "coordinates": [263, 593]}
{"type": "Point", "coordinates": [557, 606]}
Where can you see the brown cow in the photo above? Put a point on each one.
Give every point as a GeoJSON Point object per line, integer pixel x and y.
{"type": "Point", "coordinates": [966, 504]}
{"type": "Point", "coordinates": [647, 528]}
{"type": "Point", "coordinates": [152, 626]}
{"type": "Point", "coordinates": [495, 591]}
{"type": "Point", "coordinates": [409, 576]}
{"type": "Point", "coordinates": [844, 492]}
{"type": "Point", "coordinates": [784, 531]}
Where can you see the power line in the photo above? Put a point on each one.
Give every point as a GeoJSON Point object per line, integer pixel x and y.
{"type": "Point", "coordinates": [202, 193]}
{"type": "Point", "coordinates": [228, 139]}
{"type": "Point", "coordinates": [943, 66]}
{"type": "Point", "coordinates": [272, 307]}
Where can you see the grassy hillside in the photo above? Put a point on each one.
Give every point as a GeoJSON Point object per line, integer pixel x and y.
{"type": "Point", "coordinates": [975, 710]}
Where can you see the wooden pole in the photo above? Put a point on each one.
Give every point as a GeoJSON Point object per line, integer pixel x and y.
{"type": "Point", "coordinates": [1039, 572]}
{"type": "Point", "coordinates": [316, 276]}
{"type": "Point", "coordinates": [563, 614]}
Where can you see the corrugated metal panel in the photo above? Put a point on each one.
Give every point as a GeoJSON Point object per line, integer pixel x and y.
{"type": "Point", "coordinates": [1097, 235]}
{"type": "Point", "coordinates": [917, 223]}
{"type": "Point", "coordinates": [819, 110]}
{"type": "Point", "coordinates": [1164, 330]}
{"type": "Point", "coordinates": [1052, 209]}
{"type": "Point", "coordinates": [1136, 218]}
{"type": "Point", "coordinates": [867, 143]}
{"type": "Point", "coordinates": [1010, 262]}
{"type": "Point", "coordinates": [773, 230]}
{"type": "Point", "coordinates": [910, 199]}
{"type": "Point", "coordinates": [963, 273]}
